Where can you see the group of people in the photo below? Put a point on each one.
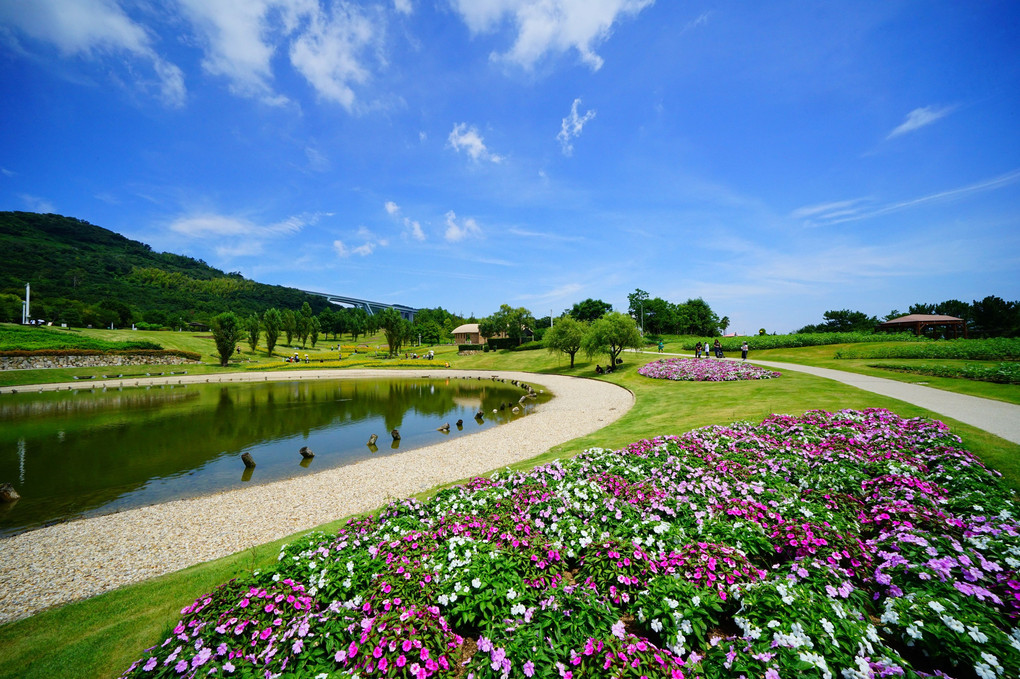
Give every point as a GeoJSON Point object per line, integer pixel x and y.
{"type": "Point", "coordinates": [717, 349]}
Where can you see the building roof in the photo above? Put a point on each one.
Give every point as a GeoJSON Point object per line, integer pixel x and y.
{"type": "Point", "coordinates": [924, 318]}
{"type": "Point", "coordinates": [469, 328]}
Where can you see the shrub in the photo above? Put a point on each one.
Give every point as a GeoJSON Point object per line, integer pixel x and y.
{"type": "Point", "coordinates": [1003, 373]}
{"type": "Point", "coordinates": [995, 349]}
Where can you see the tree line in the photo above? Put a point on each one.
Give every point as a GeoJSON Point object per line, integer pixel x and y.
{"type": "Point", "coordinates": [988, 317]}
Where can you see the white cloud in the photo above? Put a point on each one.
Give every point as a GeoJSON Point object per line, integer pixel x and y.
{"type": "Point", "coordinates": [412, 227]}
{"type": "Point", "coordinates": [544, 26]}
{"type": "Point", "coordinates": [211, 225]}
{"type": "Point", "coordinates": [371, 242]}
{"type": "Point", "coordinates": [329, 54]}
{"type": "Point", "coordinates": [572, 126]}
{"type": "Point", "coordinates": [37, 204]}
{"type": "Point", "coordinates": [848, 211]}
{"type": "Point", "coordinates": [921, 117]}
{"type": "Point", "coordinates": [326, 46]}
{"type": "Point", "coordinates": [403, 6]}
{"type": "Point", "coordinates": [467, 139]}
{"type": "Point", "coordinates": [459, 231]}
{"type": "Point", "coordinates": [94, 29]}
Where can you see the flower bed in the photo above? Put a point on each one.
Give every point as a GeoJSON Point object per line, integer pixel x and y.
{"type": "Point", "coordinates": [847, 545]}
{"type": "Point", "coordinates": [704, 370]}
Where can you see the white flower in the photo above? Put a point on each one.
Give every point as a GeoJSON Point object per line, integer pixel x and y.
{"type": "Point", "coordinates": [984, 671]}
{"type": "Point", "coordinates": [511, 595]}
{"type": "Point", "coordinates": [656, 625]}
{"type": "Point", "coordinates": [977, 635]}
{"type": "Point", "coordinates": [476, 583]}
{"type": "Point", "coordinates": [953, 624]}
{"type": "Point", "coordinates": [936, 606]}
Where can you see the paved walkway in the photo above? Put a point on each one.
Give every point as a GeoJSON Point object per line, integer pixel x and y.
{"type": "Point", "coordinates": [995, 417]}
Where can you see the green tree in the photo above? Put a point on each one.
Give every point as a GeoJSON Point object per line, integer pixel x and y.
{"type": "Point", "coordinates": [724, 323]}
{"type": "Point", "coordinates": [227, 331]}
{"type": "Point", "coordinates": [303, 323]}
{"type": "Point", "coordinates": [610, 335]}
{"type": "Point", "coordinates": [703, 320]}
{"type": "Point", "coordinates": [289, 325]}
{"type": "Point", "coordinates": [566, 335]}
{"type": "Point", "coordinates": [509, 322]}
{"type": "Point", "coordinates": [272, 323]}
{"type": "Point", "coordinates": [995, 317]}
{"type": "Point", "coordinates": [314, 327]}
{"type": "Point", "coordinates": [590, 309]}
{"type": "Point", "coordinates": [396, 328]}
{"type": "Point", "coordinates": [357, 323]}
{"type": "Point", "coordinates": [252, 329]}
{"type": "Point", "coordinates": [843, 320]}
{"type": "Point", "coordinates": [635, 306]}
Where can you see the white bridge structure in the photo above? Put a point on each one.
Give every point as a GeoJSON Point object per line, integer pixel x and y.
{"type": "Point", "coordinates": [371, 308]}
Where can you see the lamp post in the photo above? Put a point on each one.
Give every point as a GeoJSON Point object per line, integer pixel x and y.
{"type": "Point", "coordinates": [642, 317]}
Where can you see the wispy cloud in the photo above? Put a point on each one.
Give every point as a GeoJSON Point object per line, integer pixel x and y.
{"type": "Point", "coordinates": [214, 226]}
{"type": "Point", "coordinates": [572, 126]}
{"type": "Point", "coordinates": [921, 117]}
{"type": "Point", "coordinates": [565, 292]}
{"type": "Point", "coordinates": [96, 30]}
{"type": "Point", "coordinates": [369, 243]}
{"type": "Point", "coordinates": [545, 26]}
{"type": "Point", "coordinates": [37, 204]}
{"type": "Point", "coordinates": [412, 228]}
{"type": "Point", "coordinates": [457, 231]}
{"type": "Point", "coordinates": [524, 233]}
{"type": "Point", "coordinates": [466, 138]}
{"type": "Point", "coordinates": [850, 211]}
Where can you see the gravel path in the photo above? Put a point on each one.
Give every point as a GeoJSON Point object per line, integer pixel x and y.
{"type": "Point", "coordinates": [82, 558]}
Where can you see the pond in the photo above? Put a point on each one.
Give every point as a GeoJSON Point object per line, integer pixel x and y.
{"type": "Point", "coordinates": [87, 452]}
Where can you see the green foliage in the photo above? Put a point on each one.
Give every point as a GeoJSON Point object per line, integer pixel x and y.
{"type": "Point", "coordinates": [566, 336]}
{"type": "Point", "coordinates": [83, 274]}
{"type": "Point", "coordinates": [996, 349]}
{"type": "Point", "coordinates": [397, 329]}
{"type": "Point", "coordinates": [610, 335]}
{"type": "Point", "coordinates": [227, 331]}
{"type": "Point", "coordinates": [252, 329]}
{"type": "Point", "coordinates": [762, 342]}
{"type": "Point", "coordinates": [843, 321]}
{"type": "Point", "coordinates": [272, 323]}
{"type": "Point", "coordinates": [1003, 373]}
{"type": "Point", "coordinates": [508, 322]}
{"type": "Point", "coordinates": [590, 310]}
{"type": "Point", "coordinates": [656, 315]}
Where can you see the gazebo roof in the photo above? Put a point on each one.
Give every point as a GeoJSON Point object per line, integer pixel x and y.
{"type": "Point", "coordinates": [467, 327]}
{"type": "Point", "coordinates": [923, 318]}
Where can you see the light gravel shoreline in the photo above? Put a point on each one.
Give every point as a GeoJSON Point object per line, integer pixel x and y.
{"type": "Point", "coordinates": [83, 558]}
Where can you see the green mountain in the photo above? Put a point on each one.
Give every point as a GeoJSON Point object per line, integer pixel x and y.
{"type": "Point", "coordinates": [82, 274]}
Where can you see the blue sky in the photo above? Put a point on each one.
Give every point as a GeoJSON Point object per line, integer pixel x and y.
{"type": "Point", "coordinates": [777, 159]}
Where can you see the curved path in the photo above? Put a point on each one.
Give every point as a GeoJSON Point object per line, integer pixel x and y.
{"type": "Point", "coordinates": [995, 417]}
{"type": "Point", "coordinates": [82, 558]}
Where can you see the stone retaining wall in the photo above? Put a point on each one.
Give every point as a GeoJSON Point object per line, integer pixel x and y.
{"type": "Point", "coordinates": [99, 361]}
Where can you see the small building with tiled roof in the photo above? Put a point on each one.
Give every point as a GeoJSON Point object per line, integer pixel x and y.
{"type": "Point", "coordinates": [918, 322]}
{"type": "Point", "coordinates": [467, 334]}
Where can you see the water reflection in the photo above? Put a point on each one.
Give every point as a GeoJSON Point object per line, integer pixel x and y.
{"type": "Point", "coordinates": [107, 450]}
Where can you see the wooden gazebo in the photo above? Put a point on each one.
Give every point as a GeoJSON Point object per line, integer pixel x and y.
{"type": "Point", "coordinates": [918, 322]}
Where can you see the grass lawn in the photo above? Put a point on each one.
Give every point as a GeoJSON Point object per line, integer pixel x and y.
{"type": "Point", "coordinates": [103, 635]}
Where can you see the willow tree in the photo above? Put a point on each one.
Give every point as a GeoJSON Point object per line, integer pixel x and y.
{"type": "Point", "coordinates": [610, 335]}
{"type": "Point", "coordinates": [565, 336]}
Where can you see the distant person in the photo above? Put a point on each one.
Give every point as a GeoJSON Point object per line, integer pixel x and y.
{"type": "Point", "coordinates": [598, 369]}
{"type": "Point", "coordinates": [743, 351]}
{"type": "Point", "coordinates": [661, 346]}
{"type": "Point", "coordinates": [697, 350]}
{"type": "Point", "coordinates": [717, 346]}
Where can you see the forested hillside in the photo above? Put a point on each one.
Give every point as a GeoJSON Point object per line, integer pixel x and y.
{"type": "Point", "coordinates": [82, 274]}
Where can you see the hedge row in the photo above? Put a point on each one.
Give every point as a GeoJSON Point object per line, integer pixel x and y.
{"type": "Point", "coordinates": [23, 353]}
{"type": "Point", "coordinates": [995, 349]}
{"type": "Point", "coordinates": [1003, 373]}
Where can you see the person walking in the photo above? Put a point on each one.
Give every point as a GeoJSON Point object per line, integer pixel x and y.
{"type": "Point", "coordinates": [697, 350]}
{"type": "Point", "coordinates": [718, 348]}
{"type": "Point", "coordinates": [661, 345]}
{"type": "Point", "coordinates": [743, 351]}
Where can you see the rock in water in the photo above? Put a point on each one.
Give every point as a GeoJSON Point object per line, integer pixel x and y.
{"type": "Point", "coordinates": [249, 461]}
{"type": "Point", "coordinates": [460, 423]}
{"type": "Point", "coordinates": [372, 439]}
{"type": "Point", "coordinates": [444, 428]}
{"type": "Point", "coordinates": [395, 434]}
{"type": "Point", "coordinates": [306, 452]}
{"type": "Point", "coordinates": [8, 494]}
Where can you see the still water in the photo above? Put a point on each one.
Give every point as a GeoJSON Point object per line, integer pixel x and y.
{"type": "Point", "coordinates": [88, 452]}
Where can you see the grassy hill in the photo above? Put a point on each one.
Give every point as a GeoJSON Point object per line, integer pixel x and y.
{"type": "Point", "coordinates": [83, 274]}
